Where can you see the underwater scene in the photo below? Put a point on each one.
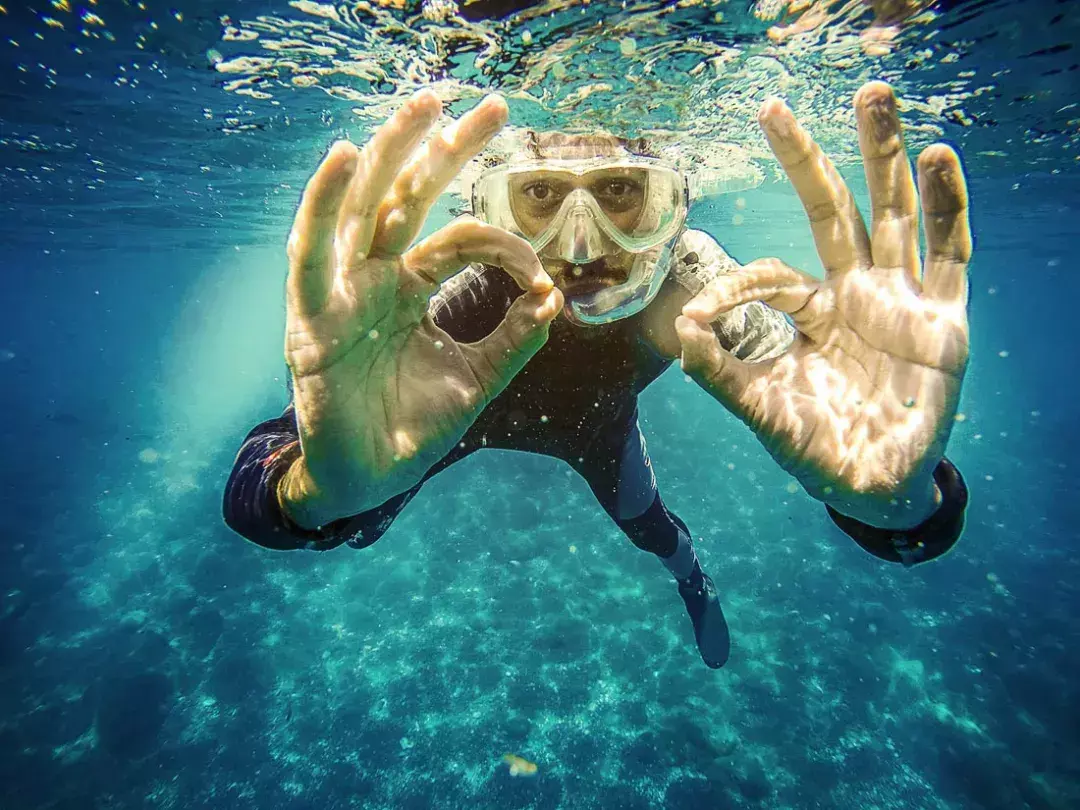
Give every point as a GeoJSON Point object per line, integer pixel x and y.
{"type": "Point", "coordinates": [269, 266]}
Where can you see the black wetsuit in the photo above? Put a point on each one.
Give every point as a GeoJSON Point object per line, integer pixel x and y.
{"type": "Point", "coordinates": [576, 400]}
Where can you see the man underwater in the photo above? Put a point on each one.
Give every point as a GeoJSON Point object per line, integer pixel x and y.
{"type": "Point", "coordinates": [402, 363]}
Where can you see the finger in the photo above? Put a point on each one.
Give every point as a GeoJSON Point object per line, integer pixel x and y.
{"type": "Point", "coordinates": [894, 234]}
{"type": "Point", "coordinates": [466, 241]}
{"type": "Point", "coordinates": [418, 186]}
{"type": "Point", "coordinates": [380, 161]}
{"type": "Point", "coordinates": [948, 229]}
{"type": "Point", "coordinates": [839, 232]}
{"type": "Point", "coordinates": [496, 359]}
{"type": "Point", "coordinates": [311, 242]}
{"type": "Point", "coordinates": [770, 281]}
{"type": "Point", "coordinates": [718, 371]}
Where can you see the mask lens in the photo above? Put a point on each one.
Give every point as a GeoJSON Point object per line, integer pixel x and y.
{"type": "Point", "coordinates": [637, 203]}
{"type": "Point", "coordinates": [620, 194]}
{"type": "Point", "coordinates": [535, 199]}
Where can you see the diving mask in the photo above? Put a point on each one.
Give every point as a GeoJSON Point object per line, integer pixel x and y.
{"type": "Point", "coordinates": [582, 210]}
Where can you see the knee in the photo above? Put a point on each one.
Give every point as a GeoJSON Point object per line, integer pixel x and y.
{"type": "Point", "coordinates": [656, 530]}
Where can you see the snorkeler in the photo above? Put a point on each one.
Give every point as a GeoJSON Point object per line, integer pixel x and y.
{"type": "Point", "coordinates": [403, 363]}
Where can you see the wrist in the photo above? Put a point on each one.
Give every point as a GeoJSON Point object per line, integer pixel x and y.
{"type": "Point", "coordinates": [899, 512]}
{"type": "Point", "coordinates": [927, 540]}
{"type": "Point", "coordinates": [301, 500]}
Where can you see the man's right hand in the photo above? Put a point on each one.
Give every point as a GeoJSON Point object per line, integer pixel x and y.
{"type": "Point", "coordinates": [381, 393]}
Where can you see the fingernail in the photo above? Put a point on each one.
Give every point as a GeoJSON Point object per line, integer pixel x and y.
{"type": "Point", "coordinates": [546, 310]}
{"type": "Point", "coordinates": [684, 323]}
{"type": "Point", "coordinates": [541, 279]}
{"type": "Point", "coordinates": [341, 151]}
{"type": "Point", "coordinates": [495, 100]}
{"type": "Point", "coordinates": [880, 118]}
{"type": "Point", "coordinates": [421, 99]}
{"type": "Point", "coordinates": [695, 314]}
{"type": "Point", "coordinates": [772, 105]}
{"type": "Point", "coordinates": [781, 124]}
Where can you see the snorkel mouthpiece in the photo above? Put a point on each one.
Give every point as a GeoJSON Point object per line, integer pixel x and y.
{"type": "Point", "coordinates": [629, 298]}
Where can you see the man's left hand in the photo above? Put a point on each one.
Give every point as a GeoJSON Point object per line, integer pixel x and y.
{"type": "Point", "coordinates": [859, 409]}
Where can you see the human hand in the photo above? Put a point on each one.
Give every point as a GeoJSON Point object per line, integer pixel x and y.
{"type": "Point", "coordinates": [381, 393]}
{"type": "Point", "coordinates": [860, 408]}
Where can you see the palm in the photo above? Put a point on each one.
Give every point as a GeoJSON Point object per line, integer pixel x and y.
{"type": "Point", "coordinates": [381, 393]}
{"type": "Point", "coordinates": [367, 346]}
{"type": "Point", "coordinates": [863, 401]}
{"type": "Point", "coordinates": [840, 409]}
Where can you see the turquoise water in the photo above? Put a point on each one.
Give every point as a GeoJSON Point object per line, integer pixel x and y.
{"type": "Point", "coordinates": [151, 658]}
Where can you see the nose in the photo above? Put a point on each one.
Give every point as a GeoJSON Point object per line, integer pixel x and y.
{"type": "Point", "coordinates": [580, 240]}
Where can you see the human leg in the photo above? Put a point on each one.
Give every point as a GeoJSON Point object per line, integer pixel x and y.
{"type": "Point", "coordinates": [621, 476]}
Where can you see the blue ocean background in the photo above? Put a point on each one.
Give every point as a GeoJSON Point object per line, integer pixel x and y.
{"type": "Point", "coordinates": [149, 658]}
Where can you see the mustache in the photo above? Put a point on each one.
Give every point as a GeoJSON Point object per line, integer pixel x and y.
{"type": "Point", "coordinates": [596, 269]}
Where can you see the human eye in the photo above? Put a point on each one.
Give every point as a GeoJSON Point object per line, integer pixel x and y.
{"type": "Point", "coordinates": [618, 193]}
{"type": "Point", "coordinates": [538, 191]}
{"type": "Point", "coordinates": [543, 195]}
{"type": "Point", "coordinates": [619, 188]}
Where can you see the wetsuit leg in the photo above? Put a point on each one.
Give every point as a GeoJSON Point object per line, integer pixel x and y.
{"type": "Point", "coordinates": [621, 476]}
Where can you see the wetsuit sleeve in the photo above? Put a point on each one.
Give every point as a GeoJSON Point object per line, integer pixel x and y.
{"type": "Point", "coordinates": [752, 332]}
{"type": "Point", "coordinates": [930, 539]}
{"type": "Point", "coordinates": [252, 509]}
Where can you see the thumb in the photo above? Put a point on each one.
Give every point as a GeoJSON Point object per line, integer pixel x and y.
{"type": "Point", "coordinates": [496, 359]}
{"type": "Point", "coordinates": [718, 371]}
{"type": "Point", "coordinates": [771, 281]}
